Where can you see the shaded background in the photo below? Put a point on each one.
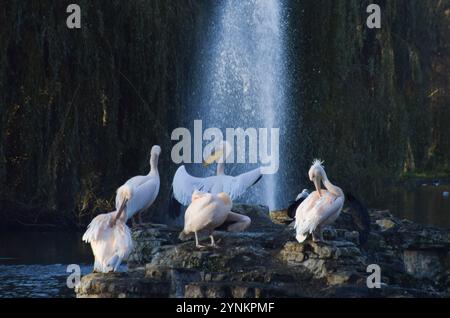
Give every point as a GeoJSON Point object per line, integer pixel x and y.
{"type": "Point", "coordinates": [80, 109]}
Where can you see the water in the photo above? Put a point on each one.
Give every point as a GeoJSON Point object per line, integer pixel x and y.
{"type": "Point", "coordinates": [34, 263]}
{"type": "Point", "coordinates": [241, 83]}
{"type": "Point", "coordinates": [423, 204]}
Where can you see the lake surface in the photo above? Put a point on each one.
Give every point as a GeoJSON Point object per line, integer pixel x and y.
{"type": "Point", "coordinates": [34, 263]}
{"type": "Point", "coordinates": [424, 204]}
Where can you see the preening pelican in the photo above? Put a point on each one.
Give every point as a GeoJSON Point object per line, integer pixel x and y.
{"type": "Point", "coordinates": [209, 211]}
{"type": "Point", "coordinates": [184, 184]}
{"type": "Point", "coordinates": [145, 188]}
{"type": "Point", "coordinates": [110, 236]}
{"type": "Point", "coordinates": [320, 208]}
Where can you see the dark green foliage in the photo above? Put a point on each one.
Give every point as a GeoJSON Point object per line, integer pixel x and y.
{"type": "Point", "coordinates": [77, 107]}
{"type": "Point", "coordinates": [365, 94]}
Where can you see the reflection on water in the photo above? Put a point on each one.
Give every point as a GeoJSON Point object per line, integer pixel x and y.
{"type": "Point", "coordinates": [424, 204]}
{"type": "Point", "coordinates": [34, 263]}
{"type": "Point", "coordinates": [43, 247]}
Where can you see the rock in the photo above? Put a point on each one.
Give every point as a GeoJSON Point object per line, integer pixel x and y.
{"type": "Point", "coordinates": [148, 241]}
{"type": "Point", "coordinates": [280, 217]}
{"type": "Point", "coordinates": [240, 290]}
{"type": "Point", "coordinates": [385, 224]}
{"type": "Point", "coordinates": [120, 285]}
{"type": "Point", "coordinates": [352, 236]}
{"type": "Point", "coordinates": [267, 261]}
{"type": "Point", "coordinates": [422, 264]}
{"type": "Point", "coordinates": [330, 234]}
{"type": "Point", "coordinates": [292, 253]}
{"type": "Point", "coordinates": [259, 215]}
{"type": "Point", "coordinates": [339, 278]}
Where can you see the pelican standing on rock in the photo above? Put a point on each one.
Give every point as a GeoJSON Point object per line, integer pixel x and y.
{"type": "Point", "coordinates": [184, 184]}
{"type": "Point", "coordinates": [145, 188]}
{"type": "Point", "coordinates": [209, 211]}
{"type": "Point", "coordinates": [109, 235]}
{"type": "Point", "coordinates": [320, 208]}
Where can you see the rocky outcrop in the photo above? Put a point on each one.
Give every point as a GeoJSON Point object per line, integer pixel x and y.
{"type": "Point", "coordinates": [266, 261]}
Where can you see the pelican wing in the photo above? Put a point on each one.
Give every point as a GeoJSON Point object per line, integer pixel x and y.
{"type": "Point", "coordinates": [123, 241]}
{"type": "Point", "coordinates": [326, 208]}
{"type": "Point", "coordinates": [236, 186]}
{"type": "Point", "coordinates": [184, 185]}
{"type": "Point", "coordinates": [314, 211]}
{"type": "Point", "coordinates": [109, 244]}
{"type": "Point", "coordinates": [137, 180]}
{"type": "Point", "coordinates": [143, 196]}
{"type": "Point", "coordinates": [98, 226]}
{"type": "Point", "coordinates": [134, 183]}
{"type": "Point", "coordinates": [304, 209]}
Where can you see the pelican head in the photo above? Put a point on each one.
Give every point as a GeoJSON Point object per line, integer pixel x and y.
{"type": "Point", "coordinates": [316, 174]}
{"type": "Point", "coordinates": [156, 151]}
{"type": "Point", "coordinates": [154, 155]}
{"type": "Point", "coordinates": [221, 151]}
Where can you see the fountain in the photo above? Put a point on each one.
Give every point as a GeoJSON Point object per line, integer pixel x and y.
{"type": "Point", "coordinates": [241, 83]}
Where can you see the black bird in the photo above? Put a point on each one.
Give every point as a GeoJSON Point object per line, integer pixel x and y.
{"type": "Point", "coordinates": [294, 205]}
{"type": "Point", "coordinates": [360, 217]}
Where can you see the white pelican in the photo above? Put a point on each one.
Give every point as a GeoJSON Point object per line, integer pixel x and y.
{"type": "Point", "coordinates": [320, 208]}
{"type": "Point", "coordinates": [110, 236]}
{"type": "Point", "coordinates": [209, 211]}
{"type": "Point", "coordinates": [184, 184]}
{"type": "Point", "coordinates": [145, 188]}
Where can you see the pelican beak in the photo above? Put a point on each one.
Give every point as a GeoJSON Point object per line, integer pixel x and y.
{"type": "Point", "coordinates": [317, 180]}
{"type": "Point", "coordinates": [216, 155]}
{"type": "Point", "coordinates": [119, 214]}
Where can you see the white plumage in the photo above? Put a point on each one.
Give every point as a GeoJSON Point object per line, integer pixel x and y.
{"type": "Point", "coordinates": [208, 212]}
{"type": "Point", "coordinates": [320, 208]}
{"type": "Point", "coordinates": [184, 184]}
{"type": "Point", "coordinates": [145, 188]}
{"type": "Point", "coordinates": [109, 236]}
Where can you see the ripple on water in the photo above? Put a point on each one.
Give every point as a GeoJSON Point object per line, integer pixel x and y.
{"type": "Point", "coordinates": [37, 281]}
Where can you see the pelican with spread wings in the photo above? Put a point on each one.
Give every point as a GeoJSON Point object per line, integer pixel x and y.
{"type": "Point", "coordinates": [184, 184]}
